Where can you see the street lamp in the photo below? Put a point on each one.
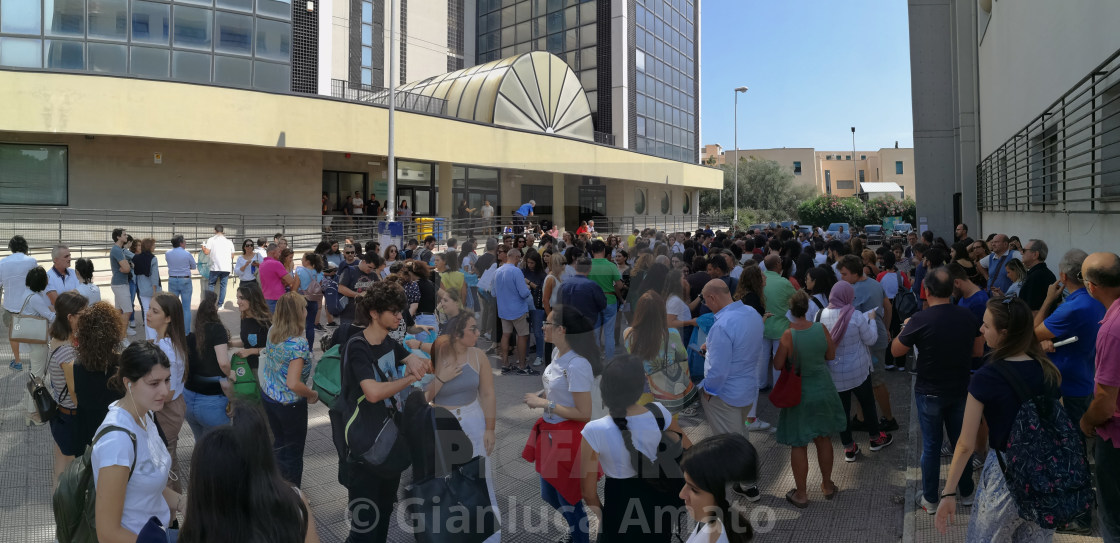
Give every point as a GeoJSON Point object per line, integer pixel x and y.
{"type": "Point", "coordinates": [392, 172]}
{"type": "Point", "coordinates": [855, 177]}
{"type": "Point", "coordinates": [737, 91]}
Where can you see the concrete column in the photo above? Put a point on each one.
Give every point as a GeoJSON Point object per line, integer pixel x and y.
{"type": "Point", "coordinates": [559, 202]}
{"type": "Point", "coordinates": [445, 199]}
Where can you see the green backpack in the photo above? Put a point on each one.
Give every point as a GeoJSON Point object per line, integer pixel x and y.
{"type": "Point", "coordinates": [245, 384]}
{"type": "Point", "coordinates": [75, 496]}
{"type": "Point", "coordinates": [328, 376]}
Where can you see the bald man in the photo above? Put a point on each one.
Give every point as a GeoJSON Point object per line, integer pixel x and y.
{"type": "Point", "coordinates": [1101, 423]}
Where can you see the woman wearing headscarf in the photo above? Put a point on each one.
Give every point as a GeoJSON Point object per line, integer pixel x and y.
{"type": "Point", "coordinates": [853, 332]}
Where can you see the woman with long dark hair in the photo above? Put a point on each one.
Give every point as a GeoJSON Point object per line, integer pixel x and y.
{"type": "Point", "coordinates": [662, 353]}
{"type": "Point", "coordinates": [532, 266]}
{"type": "Point", "coordinates": [711, 467]}
{"type": "Point", "coordinates": [130, 464]}
{"type": "Point", "coordinates": [1009, 330]}
{"type": "Point", "coordinates": [146, 267]}
{"type": "Point", "coordinates": [165, 317]}
{"type": "Point", "coordinates": [818, 284]}
{"type": "Point", "coordinates": [255, 322]}
{"type": "Point", "coordinates": [750, 288]}
{"type": "Point", "coordinates": [421, 294]}
{"type": "Point", "coordinates": [67, 307]}
{"type": "Point", "coordinates": [610, 443]}
{"type": "Point", "coordinates": [570, 391]}
{"type": "Point", "coordinates": [208, 366]}
{"type": "Point", "coordinates": [237, 493]}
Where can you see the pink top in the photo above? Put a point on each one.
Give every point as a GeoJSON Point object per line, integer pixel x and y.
{"type": "Point", "coordinates": [1108, 368]}
{"type": "Point", "coordinates": [272, 273]}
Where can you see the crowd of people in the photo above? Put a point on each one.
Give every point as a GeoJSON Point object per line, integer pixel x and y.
{"type": "Point", "coordinates": [626, 333]}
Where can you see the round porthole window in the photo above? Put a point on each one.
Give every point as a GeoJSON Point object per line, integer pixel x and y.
{"type": "Point", "coordinates": [666, 203]}
{"type": "Point", "coordinates": [686, 206]}
{"type": "Point", "coordinates": [639, 201]}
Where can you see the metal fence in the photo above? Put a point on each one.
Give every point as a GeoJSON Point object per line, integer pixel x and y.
{"type": "Point", "coordinates": [405, 101]}
{"type": "Point", "coordinates": [1067, 159]}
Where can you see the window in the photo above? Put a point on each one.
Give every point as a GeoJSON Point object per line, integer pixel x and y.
{"type": "Point", "coordinates": [863, 157]}
{"type": "Point", "coordinates": [828, 182]}
{"type": "Point", "coordinates": [861, 176]}
{"type": "Point", "coordinates": [850, 185]}
{"type": "Point", "coordinates": [898, 167]}
{"type": "Point", "coordinates": [33, 174]}
{"type": "Point", "coordinates": [797, 167]}
{"type": "Point", "coordinates": [847, 157]}
{"type": "Point", "coordinates": [828, 157]}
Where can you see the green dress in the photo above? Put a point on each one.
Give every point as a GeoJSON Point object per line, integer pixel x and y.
{"type": "Point", "coordinates": [820, 412]}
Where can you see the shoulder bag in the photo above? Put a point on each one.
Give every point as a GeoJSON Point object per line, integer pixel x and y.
{"type": "Point", "coordinates": [787, 391]}
{"type": "Point", "coordinates": [372, 433]}
{"type": "Point", "coordinates": [29, 328]}
{"type": "Point", "coordinates": [41, 396]}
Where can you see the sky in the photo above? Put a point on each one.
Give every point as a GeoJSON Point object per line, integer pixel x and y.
{"type": "Point", "coordinates": [815, 68]}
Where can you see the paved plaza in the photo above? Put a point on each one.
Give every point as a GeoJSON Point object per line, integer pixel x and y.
{"type": "Point", "coordinates": [870, 506]}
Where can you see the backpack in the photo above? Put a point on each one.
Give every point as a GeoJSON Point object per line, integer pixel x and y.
{"type": "Point", "coordinates": [663, 476]}
{"type": "Point", "coordinates": [75, 496]}
{"type": "Point", "coordinates": [1045, 467]}
{"type": "Point", "coordinates": [905, 302]}
{"type": "Point", "coordinates": [314, 290]}
{"type": "Point", "coordinates": [328, 376]}
{"type": "Point", "coordinates": [331, 297]}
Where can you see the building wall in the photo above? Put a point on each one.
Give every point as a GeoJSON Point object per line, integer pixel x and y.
{"type": "Point", "coordinates": [121, 173]}
{"type": "Point", "coordinates": [340, 39]}
{"type": "Point", "coordinates": [887, 158]}
{"type": "Point", "coordinates": [1065, 40]}
{"type": "Point", "coordinates": [842, 170]}
{"type": "Point", "coordinates": [427, 39]}
{"type": "Point", "coordinates": [713, 150]}
{"type": "Point", "coordinates": [785, 157]}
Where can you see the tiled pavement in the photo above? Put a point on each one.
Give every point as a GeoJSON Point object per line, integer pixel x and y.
{"type": "Point", "coordinates": [870, 506]}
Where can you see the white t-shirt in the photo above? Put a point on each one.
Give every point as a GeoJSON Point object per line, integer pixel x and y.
{"type": "Point", "coordinates": [143, 497]}
{"type": "Point", "coordinates": [820, 258]}
{"type": "Point", "coordinates": [246, 275]}
{"type": "Point", "coordinates": [487, 212]}
{"type": "Point", "coordinates": [703, 532]}
{"type": "Point", "coordinates": [736, 272]}
{"type": "Point", "coordinates": [221, 253]}
{"type": "Point", "coordinates": [91, 291]}
{"type": "Point", "coordinates": [356, 205]}
{"type": "Point", "coordinates": [604, 436]}
{"type": "Point", "coordinates": [177, 367]}
{"type": "Point", "coordinates": [567, 374]}
{"type": "Point", "coordinates": [676, 306]}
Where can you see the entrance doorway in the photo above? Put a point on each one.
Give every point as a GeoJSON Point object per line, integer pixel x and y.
{"type": "Point", "coordinates": [340, 188]}
{"type": "Point", "coordinates": [419, 200]}
{"type": "Point", "coordinates": [593, 205]}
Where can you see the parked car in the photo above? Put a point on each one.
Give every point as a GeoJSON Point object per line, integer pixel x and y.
{"type": "Point", "coordinates": [788, 225]}
{"type": "Point", "coordinates": [874, 233]}
{"type": "Point", "coordinates": [903, 229]}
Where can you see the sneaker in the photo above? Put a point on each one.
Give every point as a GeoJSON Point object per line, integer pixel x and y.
{"type": "Point", "coordinates": [945, 450]}
{"type": "Point", "coordinates": [538, 361]}
{"type": "Point", "coordinates": [889, 367]}
{"type": "Point", "coordinates": [508, 369]}
{"type": "Point", "coordinates": [851, 453]}
{"type": "Point", "coordinates": [888, 425]}
{"type": "Point", "coordinates": [752, 494]}
{"type": "Point", "coordinates": [759, 425]}
{"type": "Point", "coordinates": [15, 365]}
{"type": "Point", "coordinates": [528, 371]}
{"type": "Point", "coordinates": [332, 324]}
{"type": "Point", "coordinates": [883, 440]}
{"type": "Point", "coordinates": [132, 331]}
{"type": "Point", "coordinates": [929, 508]}
{"type": "Point", "coordinates": [967, 501]}
{"type": "Point", "coordinates": [977, 463]}
{"type": "Point", "coordinates": [320, 328]}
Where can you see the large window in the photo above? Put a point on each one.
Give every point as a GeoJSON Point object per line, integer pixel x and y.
{"type": "Point", "coordinates": [898, 167]}
{"type": "Point", "coordinates": [243, 43]}
{"type": "Point", "coordinates": [797, 167]}
{"type": "Point", "coordinates": [33, 174]}
{"type": "Point", "coordinates": [665, 79]}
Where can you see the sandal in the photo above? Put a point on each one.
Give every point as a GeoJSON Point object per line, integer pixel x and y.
{"type": "Point", "coordinates": [830, 495]}
{"type": "Point", "coordinates": [797, 504]}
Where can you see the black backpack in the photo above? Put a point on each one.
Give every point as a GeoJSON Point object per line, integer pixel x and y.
{"type": "Point", "coordinates": [663, 476]}
{"type": "Point", "coordinates": [905, 302]}
{"type": "Point", "coordinates": [1045, 467]}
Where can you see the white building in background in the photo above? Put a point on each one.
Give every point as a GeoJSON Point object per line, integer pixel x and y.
{"type": "Point", "coordinates": [1015, 118]}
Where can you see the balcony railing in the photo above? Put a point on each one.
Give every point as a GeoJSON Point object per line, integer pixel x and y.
{"type": "Point", "coordinates": [405, 101]}
{"type": "Point", "coordinates": [1067, 159]}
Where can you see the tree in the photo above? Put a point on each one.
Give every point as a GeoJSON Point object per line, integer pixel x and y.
{"type": "Point", "coordinates": [765, 188]}
{"type": "Point", "coordinates": [886, 206]}
{"type": "Point", "coordinates": [826, 209]}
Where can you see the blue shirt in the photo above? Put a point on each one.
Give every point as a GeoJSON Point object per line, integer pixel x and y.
{"type": "Point", "coordinates": [997, 270]}
{"type": "Point", "coordinates": [1080, 315]}
{"type": "Point", "coordinates": [514, 298]}
{"type": "Point", "coordinates": [585, 295]}
{"type": "Point", "coordinates": [977, 304]}
{"type": "Point", "coordinates": [524, 210]}
{"type": "Point", "coordinates": [179, 262]}
{"type": "Point", "coordinates": [735, 348]}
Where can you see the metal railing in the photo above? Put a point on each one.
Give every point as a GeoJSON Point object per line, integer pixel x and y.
{"type": "Point", "coordinates": [1067, 159]}
{"type": "Point", "coordinates": [406, 101]}
{"type": "Point", "coordinates": [606, 138]}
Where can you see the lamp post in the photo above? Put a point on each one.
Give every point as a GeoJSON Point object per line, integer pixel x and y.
{"type": "Point", "coordinates": [735, 222]}
{"type": "Point", "coordinates": [855, 176]}
{"type": "Point", "coordinates": [392, 172]}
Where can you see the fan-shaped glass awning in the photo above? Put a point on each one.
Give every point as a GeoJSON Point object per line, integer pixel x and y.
{"type": "Point", "coordinates": [534, 91]}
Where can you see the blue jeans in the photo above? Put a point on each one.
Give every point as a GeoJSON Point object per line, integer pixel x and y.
{"type": "Point", "coordinates": [574, 515]}
{"type": "Point", "coordinates": [1108, 487]}
{"type": "Point", "coordinates": [183, 288]}
{"type": "Point", "coordinates": [288, 422]}
{"type": "Point", "coordinates": [605, 326]}
{"type": "Point", "coordinates": [309, 324]}
{"type": "Point", "coordinates": [272, 306]}
{"type": "Point", "coordinates": [205, 411]}
{"type": "Point", "coordinates": [935, 413]}
{"type": "Point", "coordinates": [215, 277]}
{"type": "Point", "coordinates": [536, 327]}
{"type": "Point", "coordinates": [132, 299]}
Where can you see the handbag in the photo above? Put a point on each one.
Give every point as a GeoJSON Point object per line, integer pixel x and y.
{"type": "Point", "coordinates": [29, 328]}
{"type": "Point", "coordinates": [456, 506]}
{"type": "Point", "coordinates": [372, 436]}
{"type": "Point", "coordinates": [244, 383]}
{"type": "Point", "coordinates": [41, 396]}
{"type": "Point", "coordinates": [787, 391]}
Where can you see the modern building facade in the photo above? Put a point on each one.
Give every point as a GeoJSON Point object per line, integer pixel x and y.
{"type": "Point", "coordinates": [1003, 146]}
{"type": "Point", "coordinates": [831, 172]}
{"type": "Point", "coordinates": [161, 105]}
{"type": "Point", "coordinates": [637, 59]}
